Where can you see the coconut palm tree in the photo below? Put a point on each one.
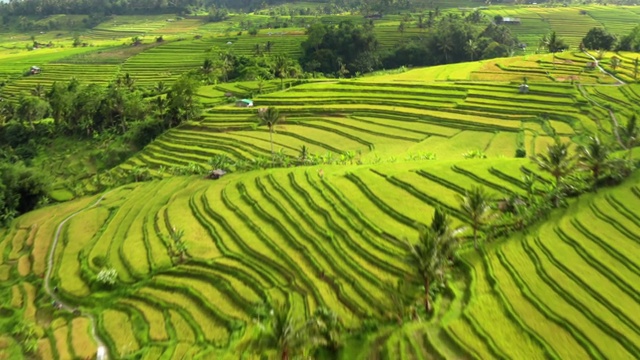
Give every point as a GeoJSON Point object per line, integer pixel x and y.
{"type": "Point", "coordinates": [429, 257]}
{"type": "Point", "coordinates": [38, 91]}
{"type": "Point", "coordinates": [595, 157]}
{"type": "Point", "coordinates": [553, 44]}
{"type": "Point", "coordinates": [326, 329]}
{"type": "Point", "coordinates": [631, 134]}
{"type": "Point", "coordinates": [304, 154]}
{"type": "Point", "coordinates": [557, 161]}
{"type": "Point", "coordinates": [270, 117]}
{"type": "Point", "coordinates": [281, 333]}
{"type": "Point", "coordinates": [281, 68]}
{"type": "Point", "coordinates": [475, 204]}
{"type": "Point", "coordinates": [178, 247]}
{"type": "Point", "coordinates": [471, 47]}
{"type": "Point", "coordinates": [160, 87]}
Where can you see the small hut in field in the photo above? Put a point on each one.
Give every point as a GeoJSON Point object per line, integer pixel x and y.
{"type": "Point", "coordinates": [244, 103]}
{"type": "Point", "coordinates": [523, 89]}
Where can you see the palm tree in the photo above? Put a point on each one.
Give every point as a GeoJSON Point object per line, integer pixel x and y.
{"type": "Point", "coordinates": [281, 333]}
{"type": "Point", "coordinates": [304, 154]}
{"type": "Point", "coordinates": [615, 62]}
{"type": "Point", "coordinates": [553, 44]}
{"type": "Point", "coordinates": [160, 87]}
{"type": "Point", "coordinates": [475, 204]}
{"type": "Point", "coordinates": [594, 157]}
{"type": "Point", "coordinates": [556, 161]}
{"type": "Point", "coordinates": [401, 28]}
{"type": "Point", "coordinates": [38, 91]}
{"type": "Point", "coordinates": [471, 47]}
{"type": "Point", "coordinates": [631, 133]}
{"type": "Point", "coordinates": [270, 117]}
{"type": "Point", "coordinates": [429, 257]}
{"type": "Point", "coordinates": [207, 66]}
{"type": "Point", "coordinates": [326, 329]}
{"type": "Point", "coordinates": [178, 247]}
{"type": "Point", "coordinates": [281, 68]}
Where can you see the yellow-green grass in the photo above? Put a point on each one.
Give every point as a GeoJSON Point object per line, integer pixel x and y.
{"type": "Point", "coordinates": [61, 336]}
{"type": "Point", "coordinates": [504, 144]}
{"type": "Point", "coordinates": [458, 145]}
{"type": "Point", "coordinates": [406, 124]}
{"type": "Point", "coordinates": [119, 328]}
{"type": "Point", "coordinates": [526, 270]}
{"type": "Point", "coordinates": [153, 316]}
{"type": "Point", "coordinates": [217, 298]}
{"type": "Point", "coordinates": [336, 257]}
{"type": "Point", "coordinates": [212, 330]}
{"type": "Point", "coordinates": [24, 265]}
{"type": "Point", "coordinates": [505, 333]}
{"type": "Point", "coordinates": [183, 331]}
{"type": "Point", "coordinates": [82, 343]}
{"type": "Point", "coordinates": [5, 271]}
{"type": "Point", "coordinates": [76, 236]}
{"type": "Point", "coordinates": [44, 349]}
{"type": "Point", "coordinates": [17, 243]}
{"type": "Point", "coordinates": [561, 341]}
{"type": "Point", "coordinates": [30, 301]}
{"type": "Point", "coordinates": [17, 299]}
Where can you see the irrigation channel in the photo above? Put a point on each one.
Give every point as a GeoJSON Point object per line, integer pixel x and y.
{"type": "Point", "coordinates": [102, 352]}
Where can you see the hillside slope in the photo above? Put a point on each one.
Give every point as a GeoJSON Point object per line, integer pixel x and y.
{"type": "Point", "coordinates": [325, 236]}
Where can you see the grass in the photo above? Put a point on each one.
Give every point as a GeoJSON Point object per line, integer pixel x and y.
{"type": "Point", "coordinates": [333, 235]}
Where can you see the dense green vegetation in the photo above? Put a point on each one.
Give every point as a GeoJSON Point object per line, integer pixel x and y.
{"type": "Point", "coordinates": [361, 208]}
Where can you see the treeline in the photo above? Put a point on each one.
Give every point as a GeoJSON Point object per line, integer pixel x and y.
{"type": "Point", "coordinates": [600, 39]}
{"type": "Point", "coordinates": [123, 7]}
{"type": "Point", "coordinates": [349, 50]}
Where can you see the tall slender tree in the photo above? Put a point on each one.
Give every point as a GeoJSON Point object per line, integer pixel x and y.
{"type": "Point", "coordinates": [281, 333]}
{"type": "Point", "coordinates": [429, 257]}
{"type": "Point", "coordinates": [557, 161]}
{"type": "Point", "coordinates": [476, 205]}
{"type": "Point", "coordinates": [270, 117]}
{"type": "Point", "coordinates": [553, 44]}
{"type": "Point", "coordinates": [281, 68]}
{"type": "Point", "coordinates": [594, 156]}
{"type": "Point", "coordinates": [631, 135]}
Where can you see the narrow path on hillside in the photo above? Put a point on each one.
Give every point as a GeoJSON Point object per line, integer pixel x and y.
{"type": "Point", "coordinates": [102, 351]}
{"type": "Point", "coordinates": [612, 115]}
{"type": "Point", "coordinates": [602, 70]}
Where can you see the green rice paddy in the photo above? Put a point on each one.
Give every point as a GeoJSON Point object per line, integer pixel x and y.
{"type": "Point", "coordinates": [332, 235]}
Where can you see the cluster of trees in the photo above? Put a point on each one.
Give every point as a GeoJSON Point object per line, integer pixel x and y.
{"type": "Point", "coordinates": [223, 66]}
{"type": "Point", "coordinates": [453, 38]}
{"type": "Point", "coordinates": [130, 117]}
{"type": "Point", "coordinates": [601, 39]}
{"type": "Point", "coordinates": [341, 50]}
{"type": "Point", "coordinates": [120, 108]}
{"type": "Point", "coordinates": [21, 190]}
{"type": "Point", "coordinates": [348, 50]}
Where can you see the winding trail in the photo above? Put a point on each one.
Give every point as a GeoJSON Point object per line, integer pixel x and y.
{"type": "Point", "coordinates": [102, 350]}
{"type": "Point", "coordinates": [619, 82]}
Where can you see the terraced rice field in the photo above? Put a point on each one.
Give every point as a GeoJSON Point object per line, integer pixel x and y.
{"type": "Point", "coordinates": [569, 22]}
{"type": "Point", "coordinates": [383, 118]}
{"type": "Point", "coordinates": [334, 240]}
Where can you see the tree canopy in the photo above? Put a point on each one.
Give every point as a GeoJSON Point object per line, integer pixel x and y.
{"type": "Point", "coordinates": [599, 39]}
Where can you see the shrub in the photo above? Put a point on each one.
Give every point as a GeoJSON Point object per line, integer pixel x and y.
{"type": "Point", "coordinates": [143, 132]}
{"type": "Point", "coordinates": [521, 153]}
{"type": "Point", "coordinates": [475, 154]}
{"type": "Point", "coordinates": [99, 261]}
